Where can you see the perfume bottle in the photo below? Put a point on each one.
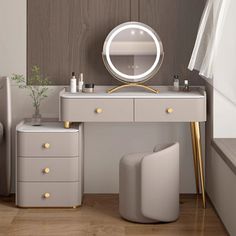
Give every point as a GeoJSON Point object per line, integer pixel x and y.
{"type": "Point", "coordinates": [81, 82]}
{"type": "Point", "coordinates": [176, 83]}
{"type": "Point", "coordinates": [186, 86]}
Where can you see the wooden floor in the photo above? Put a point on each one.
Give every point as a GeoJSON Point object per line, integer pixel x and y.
{"type": "Point", "coordinates": [99, 216]}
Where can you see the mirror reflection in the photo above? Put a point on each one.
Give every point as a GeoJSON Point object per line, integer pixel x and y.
{"type": "Point", "coordinates": [133, 51]}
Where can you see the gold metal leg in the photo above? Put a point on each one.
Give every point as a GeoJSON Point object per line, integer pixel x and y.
{"type": "Point", "coordinates": [195, 157]}
{"type": "Point", "coordinates": [199, 160]}
{"type": "Point", "coordinates": [133, 85]}
{"type": "Point", "coordinates": [66, 124]}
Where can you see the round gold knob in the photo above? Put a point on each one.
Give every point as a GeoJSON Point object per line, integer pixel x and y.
{"type": "Point", "coordinates": [46, 170]}
{"type": "Point", "coordinates": [46, 145]}
{"type": "Point", "coordinates": [98, 110]}
{"type": "Point", "coordinates": [170, 110]}
{"type": "Point", "coordinates": [46, 195]}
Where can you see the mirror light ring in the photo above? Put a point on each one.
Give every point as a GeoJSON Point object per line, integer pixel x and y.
{"type": "Point", "coordinates": [140, 26]}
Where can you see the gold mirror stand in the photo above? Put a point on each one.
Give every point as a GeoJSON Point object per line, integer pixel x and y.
{"type": "Point", "coordinates": [133, 85]}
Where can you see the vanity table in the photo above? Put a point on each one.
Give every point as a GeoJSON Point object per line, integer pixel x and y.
{"type": "Point", "coordinates": [141, 106]}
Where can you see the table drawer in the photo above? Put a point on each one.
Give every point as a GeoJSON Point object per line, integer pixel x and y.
{"type": "Point", "coordinates": [48, 144]}
{"type": "Point", "coordinates": [170, 110]}
{"type": "Point", "coordinates": [33, 194]}
{"type": "Point", "coordinates": [97, 110]}
{"type": "Point", "coordinates": [48, 169]}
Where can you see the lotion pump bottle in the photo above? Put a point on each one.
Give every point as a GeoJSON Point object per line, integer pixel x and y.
{"type": "Point", "coordinates": [73, 83]}
{"type": "Point", "coordinates": [81, 82]}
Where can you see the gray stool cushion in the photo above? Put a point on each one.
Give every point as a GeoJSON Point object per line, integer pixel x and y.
{"type": "Point", "coordinates": [149, 185]}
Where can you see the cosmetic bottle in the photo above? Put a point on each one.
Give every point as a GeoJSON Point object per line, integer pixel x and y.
{"type": "Point", "coordinates": [186, 86]}
{"type": "Point", "coordinates": [81, 82]}
{"type": "Point", "coordinates": [176, 83]}
{"type": "Point", "coordinates": [73, 83]}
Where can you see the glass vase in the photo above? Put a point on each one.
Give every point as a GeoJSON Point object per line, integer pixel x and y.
{"type": "Point", "coordinates": [36, 118]}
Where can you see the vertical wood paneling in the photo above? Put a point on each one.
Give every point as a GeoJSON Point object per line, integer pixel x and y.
{"type": "Point", "coordinates": [188, 21]}
{"type": "Point", "coordinates": [134, 10]}
{"type": "Point", "coordinates": [162, 15]}
{"type": "Point", "coordinates": [68, 35]}
{"type": "Point", "coordinates": [176, 22]}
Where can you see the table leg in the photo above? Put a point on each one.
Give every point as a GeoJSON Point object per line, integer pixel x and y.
{"type": "Point", "coordinates": [197, 139]}
{"type": "Point", "coordinates": [195, 162]}
{"type": "Point", "coordinates": [66, 124]}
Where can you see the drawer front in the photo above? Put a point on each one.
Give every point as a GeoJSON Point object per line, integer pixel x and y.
{"type": "Point", "coordinates": [48, 144]}
{"type": "Point", "coordinates": [48, 194]}
{"type": "Point", "coordinates": [170, 110]}
{"type": "Point", "coordinates": [48, 169]}
{"type": "Point", "coordinates": [97, 110]}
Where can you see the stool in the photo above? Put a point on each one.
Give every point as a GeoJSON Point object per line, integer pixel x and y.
{"type": "Point", "coordinates": [149, 185]}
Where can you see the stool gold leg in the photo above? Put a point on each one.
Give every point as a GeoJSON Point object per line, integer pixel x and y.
{"type": "Point", "coordinates": [195, 162]}
{"type": "Point", "coordinates": [199, 160]}
{"type": "Point", "coordinates": [66, 124]}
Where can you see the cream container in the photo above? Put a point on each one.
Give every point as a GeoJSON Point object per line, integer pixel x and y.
{"type": "Point", "coordinates": [88, 88]}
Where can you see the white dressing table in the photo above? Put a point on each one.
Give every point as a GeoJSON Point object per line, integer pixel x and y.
{"type": "Point", "coordinates": [141, 106]}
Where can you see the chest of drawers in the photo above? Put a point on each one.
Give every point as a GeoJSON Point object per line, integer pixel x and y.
{"type": "Point", "coordinates": [168, 106]}
{"type": "Point", "coordinates": [49, 163]}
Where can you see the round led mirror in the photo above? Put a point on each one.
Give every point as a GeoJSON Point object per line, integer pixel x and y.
{"type": "Point", "coordinates": [133, 53]}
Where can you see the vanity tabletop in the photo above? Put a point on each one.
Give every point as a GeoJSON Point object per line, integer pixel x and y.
{"type": "Point", "coordinates": [164, 92]}
{"type": "Point", "coordinates": [45, 127]}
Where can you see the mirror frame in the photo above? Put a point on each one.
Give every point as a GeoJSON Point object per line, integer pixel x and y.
{"type": "Point", "coordinates": [133, 78]}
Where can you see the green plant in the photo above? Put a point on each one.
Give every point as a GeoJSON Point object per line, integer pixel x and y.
{"type": "Point", "coordinates": [37, 86]}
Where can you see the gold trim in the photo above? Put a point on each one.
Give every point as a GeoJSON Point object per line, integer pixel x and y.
{"type": "Point", "coordinates": [66, 124]}
{"type": "Point", "coordinates": [199, 159]}
{"type": "Point", "coordinates": [98, 110]}
{"type": "Point", "coordinates": [46, 145]}
{"type": "Point", "coordinates": [169, 110]}
{"type": "Point", "coordinates": [195, 157]}
{"type": "Point", "coordinates": [46, 170]}
{"type": "Point", "coordinates": [132, 85]}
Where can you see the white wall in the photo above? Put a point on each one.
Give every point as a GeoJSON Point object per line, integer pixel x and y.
{"type": "Point", "coordinates": [225, 79]}
{"type": "Point", "coordinates": [105, 143]}
{"type": "Point", "coordinates": [224, 116]}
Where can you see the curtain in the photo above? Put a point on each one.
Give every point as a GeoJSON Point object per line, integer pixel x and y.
{"type": "Point", "coordinates": [208, 38]}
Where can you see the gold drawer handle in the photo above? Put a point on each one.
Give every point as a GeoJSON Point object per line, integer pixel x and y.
{"type": "Point", "coordinates": [46, 195]}
{"type": "Point", "coordinates": [46, 170]}
{"type": "Point", "coordinates": [98, 110]}
{"type": "Point", "coordinates": [169, 110]}
{"type": "Point", "coordinates": [46, 145]}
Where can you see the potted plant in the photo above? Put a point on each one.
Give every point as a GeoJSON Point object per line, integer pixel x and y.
{"type": "Point", "coordinates": [37, 87]}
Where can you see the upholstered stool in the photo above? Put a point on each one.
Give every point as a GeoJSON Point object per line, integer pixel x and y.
{"type": "Point", "coordinates": [149, 185]}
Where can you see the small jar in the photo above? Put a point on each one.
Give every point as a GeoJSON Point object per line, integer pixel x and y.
{"type": "Point", "coordinates": [186, 86]}
{"type": "Point", "coordinates": [88, 88]}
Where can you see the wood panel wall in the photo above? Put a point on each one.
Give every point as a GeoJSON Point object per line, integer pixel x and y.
{"type": "Point", "coordinates": [68, 35]}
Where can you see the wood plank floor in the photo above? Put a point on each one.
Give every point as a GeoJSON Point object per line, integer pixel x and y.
{"type": "Point", "coordinates": [99, 217]}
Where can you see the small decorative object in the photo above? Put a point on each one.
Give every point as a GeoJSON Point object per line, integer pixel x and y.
{"type": "Point", "coordinates": [88, 88]}
{"type": "Point", "coordinates": [73, 82]}
{"type": "Point", "coordinates": [186, 86]}
{"type": "Point", "coordinates": [81, 82]}
{"type": "Point", "coordinates": [37, 87]}
{"type": "Point", "coordinates": [176, 83]}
